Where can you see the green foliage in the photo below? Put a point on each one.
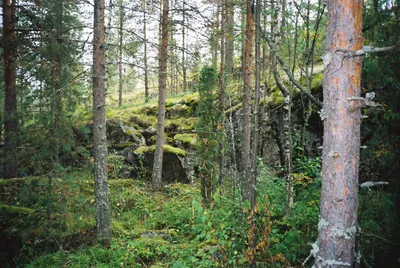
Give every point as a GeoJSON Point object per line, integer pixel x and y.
{"type": "Point", "coordinates": [117, 168]}
{"type": "Point", "coordinates": [208, 131]}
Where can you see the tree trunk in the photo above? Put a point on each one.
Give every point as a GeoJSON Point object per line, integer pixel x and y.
{"type": "Point", "coordinates": [287, 111]}
{"type": "Point", "coordinates": [120, 37]}
{"type": "Point", "coordinates": [146, 71]}
{"type": "Point", "coordinates": [248, 85]}
{"type": "Point", "coordinates": [183, 49]}
{"type": "Point", "coordinates": [222, 93]}
{"type": "Point", "coordinates": [256, 99]}
{"type": "Point", "coordinates": [339, 198]}
{"type": "Point", "coordinates": [56, 96]}
{"type": "Point", "coordinates": [229, 38]}
{"type": "Point", "coordinates": [10, 91]}
{"type": "Point", "coordinates": [103, 221]}
{"type": "Point", "coordinates": [158, 156]}
{"type": "Point", "coordinates": [214, 42]}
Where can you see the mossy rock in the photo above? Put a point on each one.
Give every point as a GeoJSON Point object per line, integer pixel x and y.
{"type": "Point", "coordinates": [179, 125]}
{"type": "Point", "coordinates": [120, 136]}
{"type": "Point", "coordinates": [167, 149]}
{"type": "Point", "coordinates": [191, 99]}
{"type": "Point", "coordinates": [144, 121]}
{"type": "Point", "coordinates": [186, 139]}
{"type": "Point", "coordinates": [153, 139]}
{"type": "Point", "coordinates": [179, 110]}
{"type": "Point", "coordinates": [151, 109]}
{"type": "Point", "coordinates": [173, 170]}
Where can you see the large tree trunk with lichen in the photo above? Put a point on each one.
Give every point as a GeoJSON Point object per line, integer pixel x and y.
{"type": "Point", "coordinates": [158, 156]}
{"type": "Point", "coordinates": [248, 188]}
{"type": "Point", "coordinates": [103, 220]}
{"type": "Point", "coordinates": [339, 199]}
{"type": "Point", "coordinates": [10, 91]}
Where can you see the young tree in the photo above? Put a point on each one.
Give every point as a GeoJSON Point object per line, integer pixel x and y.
{"type": "Point", "coordinates": [285, 136]}
{"type": "Point", "coordinates": [121, 18]}
{"type": "Point", "coordinates": [222, 92]}
{"type": "Point", "coordinates": [248, 187]}
{"type": "Point", "coordinates": [158, 155]}
{"type": "Point", "coordinates": [146, 68]}
{"type": "Point", "coordinates": [184, 69]}
{"type": "Point", "coordinates": [257, 90]}
{"type": "Point", "coordinates": [103, 221]}
{"type": "Point", "coordinates": [341, 115]}
{"type": "Point", "coordinates": [229, 37]}
{"type": "Point", "coordinates": [10, 90]}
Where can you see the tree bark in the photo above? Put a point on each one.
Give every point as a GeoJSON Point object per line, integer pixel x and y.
{"type": "Point", "coordinates": [229, 38]}
{"type": "Point", "coordinates": [248, 86]}
{"type": "Point", "coordinates": [287, 111]}
{"type": "Point", "coordinates": [120, 38]}
{"type": "Point", "coordinates": [56, 96]}
{"type": "Point", "coordinates": [339, 199]}
{"type": "Point", "coordinates": [256, 99]}
{"type": "Point", "coordinates": [11, 134]}
{"type": "Point", "coordinates": [183, 49]}
{"type": "Point", "coordinates": [158, 156]}
{"type": "Point", "coordinates": [222, 93]}
{"type": "Point", "coordinates": [103, 221]}
{"type": "Point", "coordinates": [146, 71]}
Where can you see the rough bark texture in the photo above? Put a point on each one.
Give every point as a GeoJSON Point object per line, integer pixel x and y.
{"type": "Point", "coordinates": [146, 72]}
{"type": "Point", "coordinates": [287, 113]}
{"type": "Point", "coordinates": [10, 91]}
{"type": "Point", "coordinates": [248, 85]}
{"type": "Point", "coordinates": [229, 38]}
{"type": "Point", "coordinates": [256, 99]}
{"type": "Point", "coordinates": [158, 156]}
{"type": "Point", "coordinates": [183, 49]}
{"type": "Point", "coordinates": [222, 93]}
{"type": "Point", "coordinates": [56, 96]}
{"type": "Point", "coordinates": [120, 37]}
{"type": "Point", "coordinates": [103, 221]}
{"type": "Point", "coordinates": [339, 199]}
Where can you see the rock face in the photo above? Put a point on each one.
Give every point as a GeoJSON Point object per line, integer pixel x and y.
{"type": "Point", "coordinates": [132, 139]}
{"type": "Point", "coordinates": [173, 170]}
{"type": "Point", "coordinates": [120, 136]}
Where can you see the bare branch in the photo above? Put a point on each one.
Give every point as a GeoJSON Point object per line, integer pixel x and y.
{"type": "Point", "coordinates": [304, 90]}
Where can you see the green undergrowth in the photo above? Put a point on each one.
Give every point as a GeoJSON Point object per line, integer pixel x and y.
{"type": "Point", "coordinates": [171, 228]}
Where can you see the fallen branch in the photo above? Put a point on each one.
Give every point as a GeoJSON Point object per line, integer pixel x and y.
{"type": "Point", "coordinates": [304, 90]}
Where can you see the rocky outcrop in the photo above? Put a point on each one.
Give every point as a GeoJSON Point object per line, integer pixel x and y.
{"type": "Point", "coordinates": [120, 136]}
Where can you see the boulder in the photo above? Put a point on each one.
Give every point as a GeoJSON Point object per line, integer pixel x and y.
{"type": "Point", "coordinates": [173, 168]}
{"type": "Point", "coordinates": [120, 136]}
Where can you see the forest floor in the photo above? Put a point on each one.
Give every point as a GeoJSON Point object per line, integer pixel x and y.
{"type": "Point", "coordinates": [53, 223]}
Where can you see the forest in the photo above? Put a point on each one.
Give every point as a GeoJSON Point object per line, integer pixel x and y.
{"type": "Point", "coordinates": [209, 133]}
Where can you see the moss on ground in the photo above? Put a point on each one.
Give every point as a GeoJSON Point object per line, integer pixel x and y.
{"type": "Point", "coordinates": [12, 211]}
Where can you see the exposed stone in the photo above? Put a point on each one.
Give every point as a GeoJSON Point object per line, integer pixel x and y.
{"type": "Point", "coordinates": [120, 136]}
